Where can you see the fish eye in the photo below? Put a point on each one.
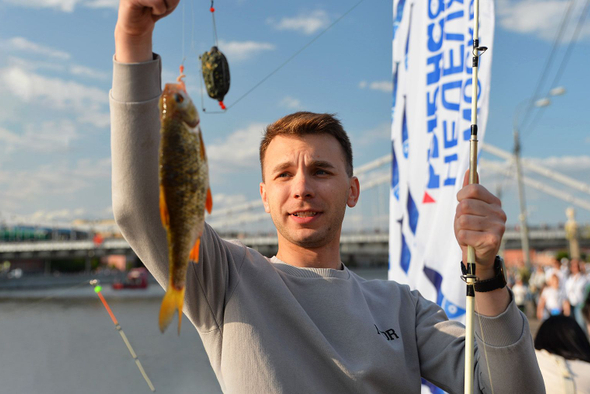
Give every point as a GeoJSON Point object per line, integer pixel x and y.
{"type": "Point", "coordinates": [179, 98]}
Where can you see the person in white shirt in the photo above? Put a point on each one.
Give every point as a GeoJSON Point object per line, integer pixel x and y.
{"type": "Point", "coordinates": [575, 287]}
{"type": "Point", "coordinates": [553, 300]}
{"type": "Point", "coordinates": [521, 292]}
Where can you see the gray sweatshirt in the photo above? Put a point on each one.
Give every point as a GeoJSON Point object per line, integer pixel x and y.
{"type": "Point", "coordinates": [269, 327]}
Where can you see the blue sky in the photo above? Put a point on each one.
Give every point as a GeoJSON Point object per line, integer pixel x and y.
{"type": "Point", "coordinates": [56, 65]}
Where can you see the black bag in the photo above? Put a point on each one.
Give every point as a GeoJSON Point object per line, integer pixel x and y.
{"type": "Point", "coordinates": [215, 74]}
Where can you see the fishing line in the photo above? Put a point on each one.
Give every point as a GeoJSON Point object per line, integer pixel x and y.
{"type": "Point", "coordinates": [485, 349]}
{"type": "Point", "coordinates": [97, 289]}
{"type": "Point", "coordinates": [286, 61]}
{"type": "Point", "coordinates": [212, 9]}
{"type": "Point", "coordinates": [183, 36]}
{"type": "Point", "coordinates": [564, 61]}
{"type": "Point", "coordinates": [548, 62]}
{"type": "Point", "coordinates": [53, 295]}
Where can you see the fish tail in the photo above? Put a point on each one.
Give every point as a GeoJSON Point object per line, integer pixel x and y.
{"type": "Point", "coordinates": [173, 301]}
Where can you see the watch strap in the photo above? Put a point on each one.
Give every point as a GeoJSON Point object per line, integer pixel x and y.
{"type": "Point", "coordinates": [497, 282]}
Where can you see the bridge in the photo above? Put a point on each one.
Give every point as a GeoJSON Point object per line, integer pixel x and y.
{"type": "Point", "coordinates": [365, 229]}
{"type": "Point", "coordinates": [361, 248]}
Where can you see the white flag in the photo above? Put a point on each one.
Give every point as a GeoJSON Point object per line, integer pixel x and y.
{"type": "Point", "coordinates": [431, 120]}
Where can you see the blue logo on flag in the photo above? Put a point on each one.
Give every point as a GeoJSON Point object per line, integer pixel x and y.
{"type": "Point", "coordinates": [406, 255]}
{"type": "Point", "coordinates": [453, 311]}
{"type": "Point", "coordinates": [398, 16]}
{"type": "Point", "coordinates": [433, 389]}
{"type": "Point", "coordinates": [394, 97]}
{"type": "Point", "coordinates": [408, 38]}
{"type": "Point", "coordinates": [413, 213]}
{"type": "Point", "coordinates": [394, 174]}
{"type": "Point", "coordinates": [405, 144]}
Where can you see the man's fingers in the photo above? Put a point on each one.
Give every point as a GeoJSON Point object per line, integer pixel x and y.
{"type": "Point", "coordinates": [480, 208]}
{"type": "Point", "coordinates": [466, 178]}
{"type": "Point", "coordinates": [477, 192]}
{"type": "Point", "coordinates": [160, 8]}
{"type": "Point", "coordinates": [486, 240]}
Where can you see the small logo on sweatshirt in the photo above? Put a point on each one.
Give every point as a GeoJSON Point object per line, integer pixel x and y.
{"type": "Point", "coordinates": [390, 334]}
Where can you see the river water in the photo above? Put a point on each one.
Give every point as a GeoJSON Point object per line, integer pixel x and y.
{"type": "Point", "coordinates": [63, 341]}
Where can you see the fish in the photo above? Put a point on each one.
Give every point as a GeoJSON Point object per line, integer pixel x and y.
{"type": "Point", "coordinates": [184, 191]}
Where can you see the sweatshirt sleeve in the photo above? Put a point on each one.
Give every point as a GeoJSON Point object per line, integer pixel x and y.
{"type": "Point", "coordinates": [135, 139]}
{"type": "Point", "coordinates": [508, 344]}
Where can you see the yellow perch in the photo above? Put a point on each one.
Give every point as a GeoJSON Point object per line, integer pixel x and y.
{"type": "Point", "coordinates": [184, 191]}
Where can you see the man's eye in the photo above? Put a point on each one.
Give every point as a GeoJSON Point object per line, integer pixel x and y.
{"type": "Point", "coordinates": [283, 175]}
{"type": "Point", "coordinates": [321, 172]}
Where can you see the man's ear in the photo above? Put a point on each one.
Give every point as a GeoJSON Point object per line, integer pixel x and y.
{"type": "Point", "coordinates": [263, 197]}
{"type": "Point", "coordinates": [354, 192]}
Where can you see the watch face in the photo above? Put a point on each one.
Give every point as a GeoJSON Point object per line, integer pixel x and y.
{"type": "Point", "coordinates": [502, 266]}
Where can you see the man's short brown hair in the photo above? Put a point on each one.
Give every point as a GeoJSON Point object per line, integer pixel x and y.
{"type": "Point", "coordinates": [304, 123]}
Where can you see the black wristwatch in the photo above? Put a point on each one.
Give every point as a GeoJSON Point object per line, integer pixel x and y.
{"type": "Point", "coordinates": [497, 282]}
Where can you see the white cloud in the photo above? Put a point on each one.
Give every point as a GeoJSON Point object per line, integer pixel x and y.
{"type": "Point", "coordinates": [243, 50]}
{"type": "Point", "coordinates": [95, 118]}
{"type": "Point", "coordinates": [21, 187]}
{"type": "Point", "coordinates": [382, 86]}
{"type": "Point", "coordinates": [28, 65]}
{"type": "Point", "coordinates": [88, 103]}
{"type": "Point", "coordinates": [290, 102]}
{"type": "Point", "coordinates": [222, 200]}
{"type": "Point", "coordinates": [89, 72]}
{"type": "Point", "coordinates": [74, 69]}
{"type": "Point", "coordinates": [563, 163]}
{"type": "Point", "coordinates": [21, 44]}
{"type": "Point", "coordinates": [114, 4]}
{"type": "Point", "coordinates": [303, 23]}
{"type": "Point", "coordinates": [380, 133]}
{"type": "Point", "coordinates": [50, 136]}
{"type": "Point", "coordinates": [538, 17]}
{"type": "Point", "coordinates": [238, 151]}
{"type": "Point", "coordinates": [64, 5]}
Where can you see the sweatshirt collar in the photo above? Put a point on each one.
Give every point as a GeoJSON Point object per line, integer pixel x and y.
{"type": "Point", "coordinates": [343, 273]}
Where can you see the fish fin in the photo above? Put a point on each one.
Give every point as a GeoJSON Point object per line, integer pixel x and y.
{"type": "Point", "coordinates": [209, 201]}
{"type": "Point", "coordinates": [203, 154]}
{"type": "Point", "coordinates": [173, 301]}
{"type": "Point", "coordinates": [164, 209]}
{"type": "Point", "coordinates": [194, 256]}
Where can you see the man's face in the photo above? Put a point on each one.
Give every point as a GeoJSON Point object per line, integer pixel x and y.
{"type": "Point", "coordinates": [306, 188]}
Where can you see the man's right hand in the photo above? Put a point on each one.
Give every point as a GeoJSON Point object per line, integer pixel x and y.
{"type": "Point", "coordinates": [135, 25]}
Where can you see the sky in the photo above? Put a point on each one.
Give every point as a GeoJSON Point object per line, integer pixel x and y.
{"type": "Point", "coordinates": [56, 69]}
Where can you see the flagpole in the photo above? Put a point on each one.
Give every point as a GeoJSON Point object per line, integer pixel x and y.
{"type": "Point", "coordinates": [470, 277]}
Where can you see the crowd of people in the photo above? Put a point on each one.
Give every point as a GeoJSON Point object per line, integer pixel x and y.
{"type": "Point", "coordinates": [560, 294]}
{"type": "Point", "coordinates": [561, 288]}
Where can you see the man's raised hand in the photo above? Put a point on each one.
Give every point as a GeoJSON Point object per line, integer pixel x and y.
{"type": "Point", "coordinates": [479, 222]}
{"type": "Point", "coordinates": [135, 25]}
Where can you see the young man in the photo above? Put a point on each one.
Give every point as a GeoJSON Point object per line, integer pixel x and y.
{"type": "Point", "coordinates": [301, 322]}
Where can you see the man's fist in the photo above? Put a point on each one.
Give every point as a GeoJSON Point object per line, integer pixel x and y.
{"type": "Point", "coordinates": [135, 25]}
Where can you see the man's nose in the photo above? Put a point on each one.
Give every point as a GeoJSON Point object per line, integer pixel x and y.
{"type": "Point", "coordinates": [302, 187]}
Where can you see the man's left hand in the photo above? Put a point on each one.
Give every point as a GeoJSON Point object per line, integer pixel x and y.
{"type": "Point", "coordinates": [479, 222]}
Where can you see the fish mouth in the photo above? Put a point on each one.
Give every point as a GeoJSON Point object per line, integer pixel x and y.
{"type": "Point", "coordinates": [194, 123]}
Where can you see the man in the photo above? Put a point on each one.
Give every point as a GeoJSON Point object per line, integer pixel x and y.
{"type": "Point", "coordinates": [301, 322]}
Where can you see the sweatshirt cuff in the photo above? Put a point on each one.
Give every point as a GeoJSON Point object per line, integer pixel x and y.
{"type": "Point", "coordinates": [503, 330]}
{"type": "Point", "coordinates": [137, 82]}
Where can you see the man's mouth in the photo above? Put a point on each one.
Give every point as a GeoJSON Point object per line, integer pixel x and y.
{"type": "Point", "coordinates": [304, 214]}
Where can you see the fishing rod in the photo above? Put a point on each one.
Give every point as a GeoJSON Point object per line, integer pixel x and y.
{"type": "Point", "coordinates": [95, 283]}
{"type": "Point", "coordinates": [470, 277]}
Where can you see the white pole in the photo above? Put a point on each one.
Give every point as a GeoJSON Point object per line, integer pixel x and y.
{"type": "Point", "coordinates": [470, 276]}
